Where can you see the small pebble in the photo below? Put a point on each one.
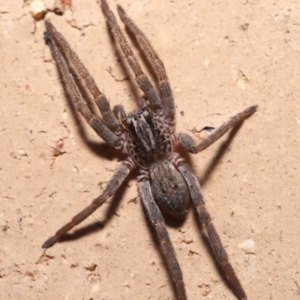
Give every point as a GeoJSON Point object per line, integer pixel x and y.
{"type": "Point", "coordinates": [248, 246]}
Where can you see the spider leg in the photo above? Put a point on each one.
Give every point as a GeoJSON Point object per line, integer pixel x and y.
{"type": "Point", "coordinates": [141, 78]}
{"type": "Point", "coordinates": [99, 98]}
{"type": "Point", "coordinates": [159, 226]}
{"type": "Point", "coordinates": [114, 183]}
{"type": "Point", "coordinates": [206, 220]}
{"type": "Point", "coordinates": [52, 37]}
{"type": "Point", "coordinates": [189, 144]}
{"type": "Point", "coordinates": [163, 81]}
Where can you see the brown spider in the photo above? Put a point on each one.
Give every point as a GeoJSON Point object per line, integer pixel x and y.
{"type": "Point", "coordinates": [165, 180]}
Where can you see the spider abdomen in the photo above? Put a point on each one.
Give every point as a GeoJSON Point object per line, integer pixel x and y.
{"type": "Point", "coordinates": [169, 189]}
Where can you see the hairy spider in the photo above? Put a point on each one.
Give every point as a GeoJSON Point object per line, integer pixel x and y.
{"type": "Point", "coordinates": [165, 180]}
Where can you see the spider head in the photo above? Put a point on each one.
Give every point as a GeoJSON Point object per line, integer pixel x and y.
{"type": "Point", "coordinates": [142, 130]}
{"type": "Point", "coordinates": [149, 140]}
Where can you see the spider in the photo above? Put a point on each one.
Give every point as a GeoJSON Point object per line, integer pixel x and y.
{"type": "Point", "coordinates": [165, 180]}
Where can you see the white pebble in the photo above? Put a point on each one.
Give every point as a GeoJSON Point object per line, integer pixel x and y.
{"type": "Point", "coordinates": [248, 246]}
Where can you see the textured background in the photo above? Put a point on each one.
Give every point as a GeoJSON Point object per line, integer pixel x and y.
{"type": "Point", "coordinates": [220, 58]}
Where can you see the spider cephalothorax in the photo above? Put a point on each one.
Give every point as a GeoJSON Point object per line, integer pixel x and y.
{"type": "Point", "coordinates": [165, 180]}
{"type": "Point", "coordinates": [149, 140]}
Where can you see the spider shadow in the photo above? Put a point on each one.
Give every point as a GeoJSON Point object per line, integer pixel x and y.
{"type": "Point", "coordinates": [220, 154]}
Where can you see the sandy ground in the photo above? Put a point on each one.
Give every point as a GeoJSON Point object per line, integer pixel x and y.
{"type": "Point", "coordinates": [221, 58]}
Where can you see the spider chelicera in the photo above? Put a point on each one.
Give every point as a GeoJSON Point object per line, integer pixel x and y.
{"type": "Point", "coordinates": [165, 180]}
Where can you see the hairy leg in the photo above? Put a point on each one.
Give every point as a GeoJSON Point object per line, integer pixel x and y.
{"type": "Point", "coordinates": [159, 226]}
{"type": "Point", "coordinates": [205, 219]}
{"type": "Point", "coordinates": [95, 122]}
{"type": "Point", "coordinates": [163, 81]}
{"type": "Point", "coordinates": [118, 178]}
{"type": "Point", "coordinates": [190, 145]}
{"type": "Point", "coordinates": [101, 101]}
{"type": "Point", "coordinates": [141, 78]}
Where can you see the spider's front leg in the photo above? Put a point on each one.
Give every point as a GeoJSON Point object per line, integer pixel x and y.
{"type": "Point", "coordinates": [163, 81]}
{"type": "Point", "coordinates": [206, 220]}
{"type": "Point", "coordinates": [115, 182]}
{"type": "Point", "coordinates": [63, 54]}
{"type": "Point", "coordinates": [190, 145]}
{"type": "Point", "coordinates": [158, 223]}
{"type": "Point", "coordinates": [141, 78]}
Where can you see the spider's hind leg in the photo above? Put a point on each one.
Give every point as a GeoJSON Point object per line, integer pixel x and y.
{"type": "Point", "coordinates": [215, 241]}
{"type": "Point", "coordinates": [158, 224]}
